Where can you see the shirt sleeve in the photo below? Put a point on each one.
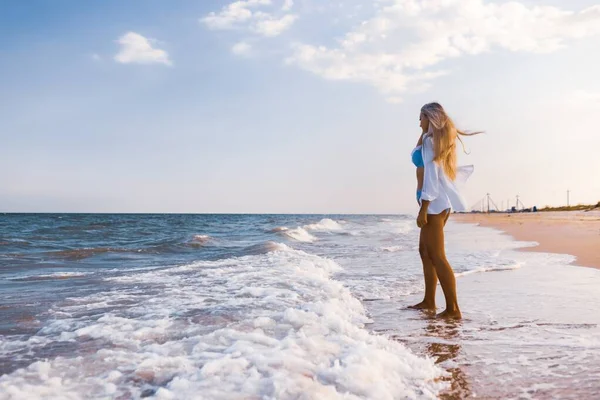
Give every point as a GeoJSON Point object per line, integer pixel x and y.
{"type": "Point", "coordinates": [431, 180]}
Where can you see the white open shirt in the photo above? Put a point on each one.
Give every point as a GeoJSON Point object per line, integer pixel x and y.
{"type": "Point", "coordinates": [441, 192]}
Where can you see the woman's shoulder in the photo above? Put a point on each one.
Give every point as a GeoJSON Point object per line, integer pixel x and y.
{"type": "Point", "coordinates": [427, 140]}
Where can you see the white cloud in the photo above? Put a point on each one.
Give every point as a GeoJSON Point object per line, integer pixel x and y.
{"type": "Point", "coordinates": [233, 14]}
{"type": "Point", "coordinates": [96, 57]}
{"type": "Point", "coordinates": [400, 47]}
{"type": "Point", "coordinates": [135, 48]}
{"type": "Point", "coordinates": [238, 15]}
{"type": "Point", "coordinates": [287, 5]}
{"type": "Point", "coordinates": [382, 70]}
{"type": "Point", "coordinates": [241, 48]}
{"type": "Point", "coordinates": [270, 26]}
{"type": "Point", "coordinates": [395, 50]}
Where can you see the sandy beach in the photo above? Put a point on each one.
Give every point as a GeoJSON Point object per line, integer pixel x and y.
{"type": "Point", "coordinates": [576, 232]}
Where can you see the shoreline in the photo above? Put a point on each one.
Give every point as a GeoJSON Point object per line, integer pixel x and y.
{"type": "Point", "coordinates": [519, 326]}
{"type": "Point", "coordinates": [576, 233]}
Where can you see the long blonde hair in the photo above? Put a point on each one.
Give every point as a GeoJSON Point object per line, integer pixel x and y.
{"type": "Point", "coordinates": [444, 137]}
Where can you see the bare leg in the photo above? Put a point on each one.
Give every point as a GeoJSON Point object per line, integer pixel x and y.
{"type": "Point", "coordinates": [434, 239]}
{"type": "Point", "coordinates": [430, 275]}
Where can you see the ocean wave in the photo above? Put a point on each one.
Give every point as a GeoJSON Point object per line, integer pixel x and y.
{"type": "Point", "coordinates": [201, 238]}
{"type": "Point", "coordinates": [83, 253]}
{"type": "Point", "coordinates": [302, 234]}
{"type": "Point", "coordinates": [75, 228]}
{"type": "Point", "coordinates": [80, 254]}
{"type": "Point", "coordinates": [489, 269]}
{"type": "Point", "coordinates": [326, 224]}
{"type": "Point", "coordinates": [392, 249]}
{"type": "Point", "coordinates": [15, 242]}
{"type": "Point", "coordinates": [49, 277]}
{"type": "Point", "coordinates": [279, 229]}
{"type": "Point", "coordinates": [266, 247]}
{"type": "Point", "coordinates": [299, 234]}
{"type": "Point", "coordinates": [273, 325]}
{"type": "Point", "coordinates": [402, 226]}
{"type": "Point", "coordinates": [199, 241]}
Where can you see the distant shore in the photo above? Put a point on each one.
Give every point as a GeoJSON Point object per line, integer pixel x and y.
{"type": "Point", "coordinates": [571, 232]}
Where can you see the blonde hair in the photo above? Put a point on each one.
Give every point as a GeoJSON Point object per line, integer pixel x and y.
{"type": "Point", "coordinates": [444, 135]}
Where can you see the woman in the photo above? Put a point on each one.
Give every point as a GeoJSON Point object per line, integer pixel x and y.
{"type": "Point", "coordinates": [437, 194]}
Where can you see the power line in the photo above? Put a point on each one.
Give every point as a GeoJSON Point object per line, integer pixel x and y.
{"type": "Point", "coordinates": [485, 204]}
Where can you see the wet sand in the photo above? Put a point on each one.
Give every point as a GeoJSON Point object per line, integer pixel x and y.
{"type": "Point", "coordinates": [575, 232]}
{"type": "Point", "coordinates": [532, 332]}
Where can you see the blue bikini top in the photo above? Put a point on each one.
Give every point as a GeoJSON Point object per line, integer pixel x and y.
{"type": "Point", "coordinates": [417, 157]}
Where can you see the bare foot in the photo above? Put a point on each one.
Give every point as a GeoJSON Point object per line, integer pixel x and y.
{"type": "Point", "coordinates": [423, 306]}
{"type": "Point", "coordinates": [450, 314]}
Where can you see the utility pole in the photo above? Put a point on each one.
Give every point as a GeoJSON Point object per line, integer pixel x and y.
{"type": "Point", "coordinates": [517, 202]}
{"type": "Point", "coordinates": [488, 202]}
{"type": "Point", "coordinates": [568, 191]}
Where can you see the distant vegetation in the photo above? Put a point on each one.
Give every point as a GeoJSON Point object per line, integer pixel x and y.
{"type": "Point", "coordinates": [579, 207]}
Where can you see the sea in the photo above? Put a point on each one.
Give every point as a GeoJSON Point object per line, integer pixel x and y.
{"type": "Point", "coordinates": [201, 306]}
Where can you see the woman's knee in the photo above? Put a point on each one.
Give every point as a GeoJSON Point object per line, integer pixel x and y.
{"type": "Point", "coordinates": [437, 257]}
{"type": "Point", "coordinates": [434, 251]}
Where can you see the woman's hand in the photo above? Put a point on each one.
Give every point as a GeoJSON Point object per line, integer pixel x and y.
{"type": "Point", "coordinates": [422, 219]}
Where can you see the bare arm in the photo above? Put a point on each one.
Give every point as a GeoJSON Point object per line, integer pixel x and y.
{"type": "Point", "coordinates": [420, 176]}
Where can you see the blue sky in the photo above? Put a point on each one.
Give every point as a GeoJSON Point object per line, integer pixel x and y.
{"type": "Point", "coordinates": [304, 106]}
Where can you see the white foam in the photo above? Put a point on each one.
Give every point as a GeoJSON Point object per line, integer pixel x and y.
{"type": "Point", "coordinates": [392, 249]}
{"type": "Point", "coordinates": [52, 276]}
{"type": "Point", "coordinates": [279, 229]}
{"type": "Point", "coordinates": [489, 269]}
{"type": "Point", "coordinates": [201, 239]}
{"type": "Point", "coordinates": [273, 325]}
{"type": "Point", "coordinates": [300, 234]}
{"type": "Point", "coordinates": [403, 226]}
{"type": "Point", "coordinates": [266, 247]}
{"type": "Point", "coordinates": [326, 224]}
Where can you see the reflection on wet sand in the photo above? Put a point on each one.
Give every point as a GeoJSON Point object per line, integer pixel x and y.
{"type": "Point", "coordinates": [441, 340]}
{"type": "Point", "coordinates": [445, 349]}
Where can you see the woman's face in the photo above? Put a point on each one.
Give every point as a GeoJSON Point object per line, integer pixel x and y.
{"type": "Point", "coordinates": [424, 122]}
